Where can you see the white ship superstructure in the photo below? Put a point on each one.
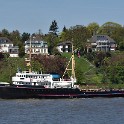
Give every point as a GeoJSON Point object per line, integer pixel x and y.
{"type": "Point", "coordinates": [32, 78]}
{"type": "Point", "coordinates": [37, 79]}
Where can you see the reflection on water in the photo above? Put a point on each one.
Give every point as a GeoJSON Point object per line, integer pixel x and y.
{"type": "Point", "coordinates": [63, 111]}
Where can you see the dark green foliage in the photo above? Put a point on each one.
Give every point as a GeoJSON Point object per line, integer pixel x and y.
{"type": "Point", "coordinates": [52, 41]}
{"type": "Point", "coordinates": [64, 29]}
{"type": "Point", "coordinates": [77, 34]}
{"type": "Point", "coordinates": [5, 33]}
{"type": "Point", "coordinates": [114, 68]}
{"type": "Point", "coordinates": [21, 51]}
{"type": "Point", "coordinates": [1, 56]}
{"type": "Point", "coordinates": [25, 37]}
{"type": "Point", "coordinates": [9, 67]}
{"type": "Point", "coordinates": [54, 27]}
{"type": "Point", "coordinates": [116, 74]}
{"type": "Point", "coordinates": [121, 45]}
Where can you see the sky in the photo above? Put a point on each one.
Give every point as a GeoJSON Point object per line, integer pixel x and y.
{"type": "Point", "coordinates": [30, 16]}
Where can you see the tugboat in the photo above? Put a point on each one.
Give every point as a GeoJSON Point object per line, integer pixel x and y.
{"type": "Point", "coordinates": [30, 84]}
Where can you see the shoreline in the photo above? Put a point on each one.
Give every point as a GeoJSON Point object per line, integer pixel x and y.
{"type": "Point", "coordinates": [100, 87]}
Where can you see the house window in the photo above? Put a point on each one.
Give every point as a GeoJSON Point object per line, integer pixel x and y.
{"type": "Point", "coordinates": [10, 45]}
{"type": "Point", "coordinates": [41, 50]}
{"type": "Point", "coordinates": [44, 50]}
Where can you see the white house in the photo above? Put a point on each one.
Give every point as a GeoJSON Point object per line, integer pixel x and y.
{"type": "Point", "coordinates": [6, 46]}
{"type": "Point", "coordinates": [64, 46]}
{"type": "Point", "coordinates": [37, 46]}
{"type": "Point", "coordinates": [13, 51]}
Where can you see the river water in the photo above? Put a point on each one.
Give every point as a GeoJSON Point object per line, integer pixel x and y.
{"type": "Point", "coordinates": [62, 111]}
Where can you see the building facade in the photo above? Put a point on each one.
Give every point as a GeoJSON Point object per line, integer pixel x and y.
{"type": "Point", "coordinates": [101, 43]}
{"type": "Point", "coordinates": [37, 46]}
{"type": "Point", "coordinates": [13, 51]}
{"type": "Point", "coordinates": [64, 46]}
{"type": "Point", "coordinates": [6, 46]}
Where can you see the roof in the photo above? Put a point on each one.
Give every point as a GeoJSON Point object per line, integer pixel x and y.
{"type": "Point", "coordinates": [35, 40]}
{"type": "Point", "coordinates": [64, 43]}
{"type": "Point", "coordinates": [95, 38]}
{"type": "Point", "coordinates": [5, 40]}
{"type": "Point", "coordinates": [13, 47]}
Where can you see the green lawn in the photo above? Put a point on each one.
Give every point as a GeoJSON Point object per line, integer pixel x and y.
{"type": "Point", "coordinates": [80, 62]}
{"type": "Point", "coordinates": [85, 70]}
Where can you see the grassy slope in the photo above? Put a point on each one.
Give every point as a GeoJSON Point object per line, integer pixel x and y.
{"type": "Point", "coordinates": [80, 62]}
{"type": "Point", "coordinates": [86, 69]}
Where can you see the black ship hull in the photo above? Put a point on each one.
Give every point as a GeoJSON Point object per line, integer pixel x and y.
{"type": "Point", "coordinates": [24, 92]}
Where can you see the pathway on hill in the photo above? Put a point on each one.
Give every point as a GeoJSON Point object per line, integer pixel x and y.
{"type": "Point", "coordinates": [90, 64]}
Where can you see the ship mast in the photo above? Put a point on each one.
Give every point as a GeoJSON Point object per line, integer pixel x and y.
{"type": "Point", "coordinates": [72, 61]}
{"type": "Point", "coordinates": [30, 55]}
{"type": "Point", "coordinates": [28, 60]}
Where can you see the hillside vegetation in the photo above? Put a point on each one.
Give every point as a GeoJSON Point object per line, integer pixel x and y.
{"type": "Point", "coordinates": [108, 75]}
{"type": "Point", "coordinates": [83, 70]}
{"type": "Point", "coordinates": [8, 68]}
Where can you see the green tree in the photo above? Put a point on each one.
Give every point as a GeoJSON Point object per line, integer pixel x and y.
{"type": "Point", "coordinates": [54, 27]}
{"type": "Point", "coordinates": [79, 34]}
{"type": "Point", "coordinates": [21, 50]}
{"type": "Point", "coordinates": [15, 37]}
{"type": "Point", "coordinates": [121, 45]}
{"type": "Point", "coordinates": [25, 36]}
{"type": "Point", "coordinates": [93, 28]}
{"type": "Point", "coordinates": [36, 66]}
{"type": "Point", "coordinates": [64, 29]}
{"type": "Point", "coordinates": [109, 28]}
{"type": "Point", "coordinates": [5, 33]}
{"type": "Point", "coordinates": [114, 68]}
{"type": "Point", "coordinates": [112, 29]}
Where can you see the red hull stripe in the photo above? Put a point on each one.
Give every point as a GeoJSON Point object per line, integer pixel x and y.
{"type": "Point", "coordinates": [57, 95]}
